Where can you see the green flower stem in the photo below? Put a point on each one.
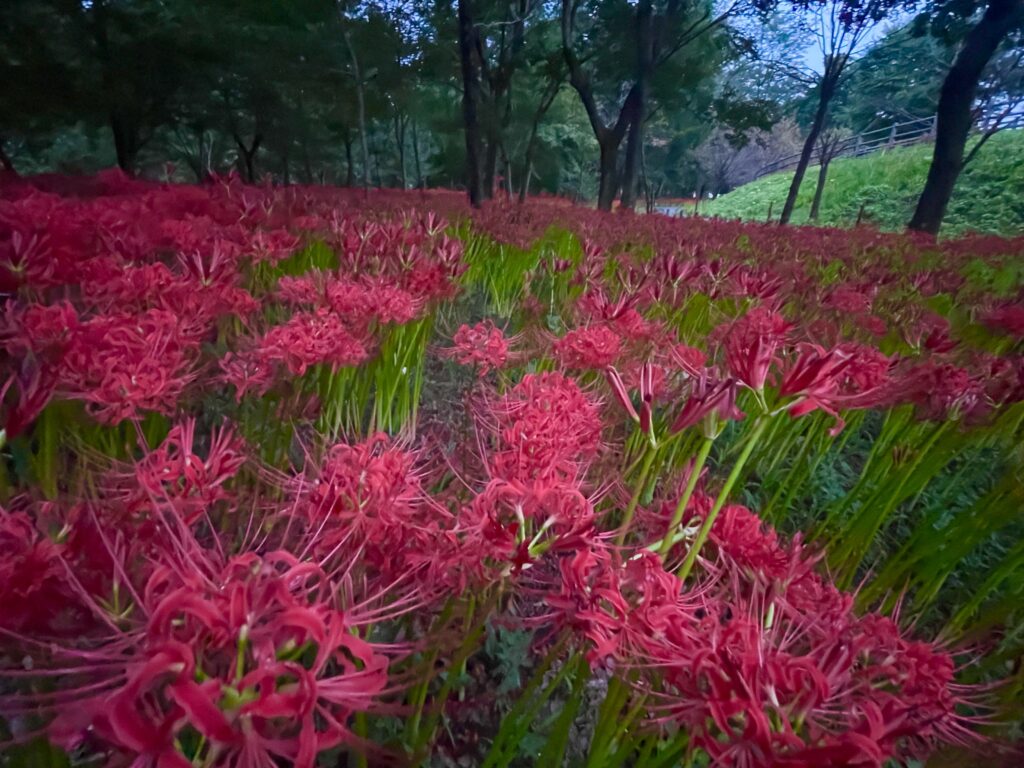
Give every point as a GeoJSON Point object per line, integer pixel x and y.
{"type": "Point", "coordinates": [469, 645]}
{"type": "Point", "coordinates": [645, 470]}
{"type": "Point", "coordinates": [361, 727]}
{"type": "Point", "coordinates": [684, 500]}
{"type": "Point", "coordinates": [737, 469]}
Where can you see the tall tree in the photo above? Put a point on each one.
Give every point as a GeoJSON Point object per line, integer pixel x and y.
{"type": "Point", "coordinates": [995, 20]}
{"type": "Point", "coordinates": [841, 28]}
{"type": "Point", "coordinates": [623, 47]}
{"type": "Point", "coordinates": [470, 63]}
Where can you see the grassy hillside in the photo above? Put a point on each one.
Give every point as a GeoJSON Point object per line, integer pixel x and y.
{"type": "Point", "coordinates": [989, 196]}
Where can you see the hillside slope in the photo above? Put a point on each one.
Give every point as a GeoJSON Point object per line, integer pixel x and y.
{"type": "Point", "coordinates": [989, 196]}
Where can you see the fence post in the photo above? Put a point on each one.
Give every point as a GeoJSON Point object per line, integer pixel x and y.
{"type": "Point", "coordinates": [769, 219]}
{"type": "Point", "coordinates": [892, 135]}
{"type": "Point", "coordinates": [933, 128]}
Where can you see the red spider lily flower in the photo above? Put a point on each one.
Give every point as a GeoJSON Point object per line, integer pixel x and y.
{"type": "Point", "coordinates": [708, 404]}
{"type": "Point", "coordinates": [32, 586]}
{"type": "Point", "coordinates": [122, 365]}
{"type": "Point", "coordinates": [1008, 319]}
{"type": "Point", "coordinates": [35, 386]}
{"type": "Point", "coordinates": [365, 501]}
{"type": "Point", "coordinates": [868, 370]}
{"type": "Point", "coordinates": [42, 330]}
{"type": "Point", "coordinates": [765, 667]}
{"type": "Point", "coordinates": [311, 338]}
{"type": "Point", "coordinates": [375, 477]}
{"type": "Point", "coordinates": [254, 657]}
{"type": "Point", "coordinates": [619, 390]}
{"type": "Point", "coordinates": [751, 346]}
{"type": "Point", "coordinates": [511, 525]}
{"type": "Point", "coordinates": [940, 390]}
{"type": "Point", "coordinates": [547, 428]}
{"type": "Point", "coordinates": [173, 476]}
{"type": "Point", "coordinates": [929, 331]}
{"type": "Point", "coordinates": [689, 359]}
{"type": "Point", "coordinates": [590, 348]}
{"type": "Point", "coordinates": [853, 300]}
{"type": "Point", "coordinates": [247, 372]}
{"type": "Point", "coordinates": [588, 602]}
{"type": "Point", "coordinates": [482, 346]}
{"type": "Point", "coordinates": [873, 324]}
{"type": "Point", "coordinates": [647, 388]}
{"type": "Point", "coordinates": [272, 246]}
{"type": "Point", "coordinates": [814, 380]}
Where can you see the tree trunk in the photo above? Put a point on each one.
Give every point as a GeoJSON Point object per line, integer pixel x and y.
{"type": "Point", "coordinates": [490, 166]}
{"type": "Point", "coordinates": [357, 73]}
{"type": "Point", "coordinates": [819, 189]}
{"type": "Point", "coordinates": [631, 171]}
{"type": "Point", "coordinates": [5, 160]}
{"type": "Point", "coordinates": [609, 138]}
{"type": "Point", "coordinates": [524, 186]}
{"type": "Point", "coordinates": [349, 170]}
{"type": "Point", "coordinates": [638, 107]}
{"type": "Point", "coordinates": [416, 156]}
{"type": "Point", "coordinates": [828, 84]}
{"type": "Point", "coordinates": [547, 99]}
{"type": "Point", "coordinates": [650, 195]}
{"type": "Point", "coordinates": [470, 103]}
{"type": "Point", "coordinates": [507, 170]}
{"type": "Point", "coordinates": [307, 165]}
{"type": "Point", "coordinates": [608, 179]}
{"type": "Point", "coordinates": [400, 141]}
{"type": "Point", "coordinates": [249, 155]}
{"type": "Point", "coordinates": [953, 115]}
{"type": "Point", "coordinates": [126, 142]}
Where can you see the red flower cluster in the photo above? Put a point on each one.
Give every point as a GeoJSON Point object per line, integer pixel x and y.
{"type": "Point", "coordinates": [178, 595]}
{"type": "Point", "coordinates": [482, 346]}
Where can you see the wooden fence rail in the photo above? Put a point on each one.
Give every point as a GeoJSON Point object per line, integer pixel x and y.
{"type": "Point", "coordinates": [896, 135]}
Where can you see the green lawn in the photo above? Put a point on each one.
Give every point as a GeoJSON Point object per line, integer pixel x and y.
{"type": "Point", "coordinates": [989, 196]}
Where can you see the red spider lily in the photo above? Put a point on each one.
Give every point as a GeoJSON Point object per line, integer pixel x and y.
{"type": "Point", "coordinates": [690, 360]}
{"type": "Point", "coordinates": [708, 404]}
{"type": "Point", "coordinates": [751, 346]}
{"type": "Point", "coordinates": [247, 372]}
{"type": "Point", "coordinates": [34, 386]}
{"type": "Point", "coordinates": [591, 348]}
{"type": "Point", "coordinates": [358, 302]}
{"type": "Point", "coordinates": [25, 257]}
{"type": "Point", "coordinates": [250, 702]}
{"type": "Point", "coordinates": [32, 587]}
{"type": "Point", "coordinates": [511, 525]}
{"type": "Point", "coordinates": [1008, 319]}
{"type": "Point", "coordinates": [38, 329]}
{"type": "Point", "coordinates": [482, 345]}
{"type": "Point", "coordinates": [547, 428]}
{"type": "Point", "coordinates": [814, 380]}
{"type": "Point", "coordinates": [647, 390]}
{"type": "Point", "coordinates": [173, 476]}
{"type": "Point", "coordinates": [365, 501]}
{"type": "Point", "coordinates": [122, 365]}
{"type": "Point", "coordinates": [589, 603]}
{"type": "Point", "coordinates": [851, 299]}
{"type": "Point", "coordinates": [941, 390]}
{"type": "Point", "coordinates": [764, 667]}
{"type": "Point", "coordinates": [308, 339]}
{"type": "Point", "coordinates": [253, 654]}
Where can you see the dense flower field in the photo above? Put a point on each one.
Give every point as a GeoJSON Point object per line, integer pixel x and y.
{"type": "Point", "coordinates": [305, 475]}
